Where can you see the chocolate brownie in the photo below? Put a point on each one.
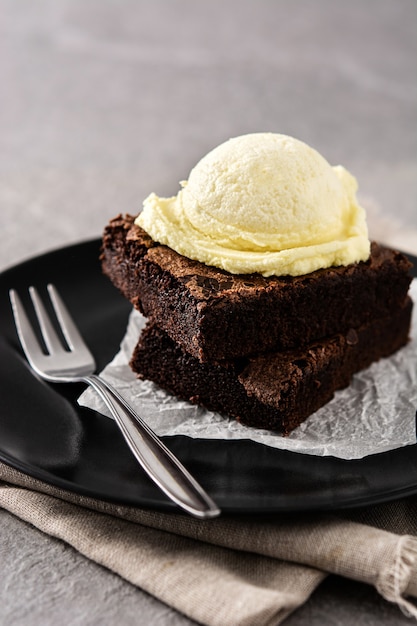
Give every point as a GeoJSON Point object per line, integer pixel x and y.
{"type": "Point", "coordinates": [276, 391]}
{"type": "Point", "coordinates": [216, 316]}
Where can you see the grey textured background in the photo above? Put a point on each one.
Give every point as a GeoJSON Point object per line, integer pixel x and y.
{"type": "Point", "coordinates": [103, 101]}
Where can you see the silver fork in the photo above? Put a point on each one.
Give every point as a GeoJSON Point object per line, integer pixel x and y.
{"type": "Point", "coordinates": [77, 364]}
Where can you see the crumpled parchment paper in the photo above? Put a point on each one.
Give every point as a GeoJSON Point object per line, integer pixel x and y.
{"type": "Point", "coordinates": [376, 413]}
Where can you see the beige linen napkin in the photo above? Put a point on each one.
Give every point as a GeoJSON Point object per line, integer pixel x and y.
{"type": "Point", "coordinates": [229, 570]}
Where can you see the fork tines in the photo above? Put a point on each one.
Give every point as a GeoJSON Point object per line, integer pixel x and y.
{"type": "Point", "coordinates": [50, 336]}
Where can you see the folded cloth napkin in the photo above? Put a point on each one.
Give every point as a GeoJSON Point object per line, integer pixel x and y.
{"type": "Point", "coordinates": [229, 570]}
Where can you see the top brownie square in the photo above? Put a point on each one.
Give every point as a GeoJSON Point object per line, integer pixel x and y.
{"type": "Point", "coordinates": [215, 315]}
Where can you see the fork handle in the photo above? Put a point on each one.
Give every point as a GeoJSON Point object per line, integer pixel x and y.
{"type": "Point", "coordinates": [154, 457]}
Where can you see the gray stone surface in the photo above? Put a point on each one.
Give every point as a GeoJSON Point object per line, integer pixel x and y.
{"type": "Point", "coordinates": [103, 101]}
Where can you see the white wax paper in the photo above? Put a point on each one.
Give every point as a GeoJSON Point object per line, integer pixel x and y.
{"type": "Point", "coordinates": [374, 414]}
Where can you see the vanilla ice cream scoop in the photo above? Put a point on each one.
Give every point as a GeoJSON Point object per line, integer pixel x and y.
{"type": "Point", "coordinates": [264, 203]}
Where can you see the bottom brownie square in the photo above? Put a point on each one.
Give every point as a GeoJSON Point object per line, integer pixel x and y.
{"type": "Point", "coordinates": [275, 391]}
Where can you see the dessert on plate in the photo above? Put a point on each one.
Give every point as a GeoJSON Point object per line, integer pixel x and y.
{"type": "Point", "coordinates": [262, 291]}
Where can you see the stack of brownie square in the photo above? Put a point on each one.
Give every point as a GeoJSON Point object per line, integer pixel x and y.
{"type": "Point", "coordinates": [266, 351]}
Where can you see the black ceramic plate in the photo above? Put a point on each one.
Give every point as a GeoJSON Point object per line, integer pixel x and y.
{"type": "Point", "coordinates": [44, 433]}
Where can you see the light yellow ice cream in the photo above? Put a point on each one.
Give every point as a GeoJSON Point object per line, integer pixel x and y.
{"type": "Point", "coordinates": [264, 203]}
